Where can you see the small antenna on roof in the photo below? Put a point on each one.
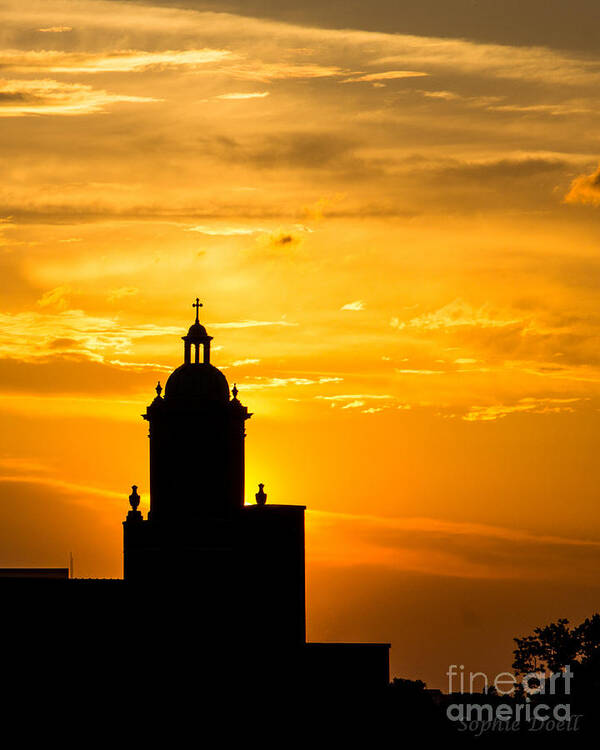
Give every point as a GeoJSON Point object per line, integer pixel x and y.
{"type": "Point", "coordinates": [71, 565]}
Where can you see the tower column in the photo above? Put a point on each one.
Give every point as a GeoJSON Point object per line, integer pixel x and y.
{"type": "Point", "coordinates": [196, 439]}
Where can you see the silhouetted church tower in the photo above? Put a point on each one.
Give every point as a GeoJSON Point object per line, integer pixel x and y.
{"type": "Point", "coordinates": [196, 438]}
{"type": "Point", "coordinates": [243, 562]}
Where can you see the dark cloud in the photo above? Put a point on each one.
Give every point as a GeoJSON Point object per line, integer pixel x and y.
{"type": "Point", "coordinates": [65, 343]}
{"type": "Point", "coordinates": [15, 96]}
{"type": "Point", "coordinates": [527, 184]}
{"type": "Point", "coordinates": [72, 374]}
{"type": "Point", "coordinates": [502, 170]}
{"type": "Point", "coordinates": [553, 23]}
{"type": "Point", "coordinates": [285, 240]}
{"type": "Point", "coordinates": [576, 344]}
{"type": "Point", "coordinates": [72, 214]}
{"type": "Point", "coordinates": [459, 549]}
{"type": "Point", "coordinates": [319, 151]}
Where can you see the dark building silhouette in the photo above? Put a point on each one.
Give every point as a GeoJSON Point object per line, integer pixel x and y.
{"type": "Point", "coordinates": [208, 581]}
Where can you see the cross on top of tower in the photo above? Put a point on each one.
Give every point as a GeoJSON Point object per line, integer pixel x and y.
{"type": "Point", "coordinates": [197, 304]}
{"type": "Point", "coordinates": [197, 337]}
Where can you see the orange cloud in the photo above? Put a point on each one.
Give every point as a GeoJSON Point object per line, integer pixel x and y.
{"type": "Point", "coordinates": [529, 404]}
{"type": "Point", "coordinates": [119, 61]}
{"type": "Point", "coordinates": [263, 382]}
{"type": "Point", "coordinates": [252, 95]}
{"type": "Point", "coordinates": [386, 75]}
{"type": "Point", "coordinates": [56, 29]}
{"type": "Point", "coordinates": [45, 97]}
{"type": "Point", "coordinates": [55, 298]}
{"type": "Point", "coordinates": [354, 306]}
{"type": "Point", "coordinates": [121, 292]}
{"type": "Point", "coordinates": [92, 337]}
{"type": "Point", "coordinates": [457, 314]}
{"type": "Point", "coordinates": [446, 548]}
{"type": "Point", "coordinates": [585, 189]}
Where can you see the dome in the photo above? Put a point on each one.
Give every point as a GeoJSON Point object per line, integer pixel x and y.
{"type": "Point", "coordinates": [199, 382]}
{"type": "Point", "coordinates": [197, 331]}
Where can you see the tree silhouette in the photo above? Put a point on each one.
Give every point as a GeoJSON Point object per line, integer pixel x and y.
{"type": "Point", "coordinates": [549, 648]}
{"type": "Point", "coordinates": [554, 646]}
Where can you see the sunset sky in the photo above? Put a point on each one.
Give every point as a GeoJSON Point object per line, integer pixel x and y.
{"type": "Point", "coordinates": [391, 212]}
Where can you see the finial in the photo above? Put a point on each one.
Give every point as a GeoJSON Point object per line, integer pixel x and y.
{"type": "Point", "coordinates": [158, 389]}
{"type": "Point", "coordinates": [197, 304]}
{"type": "Point", "coordinates": [234, 390]}
{"type": "Point", "coordinates": [134, 498]}
{"type": "Point", "coordinates": [261, 496]}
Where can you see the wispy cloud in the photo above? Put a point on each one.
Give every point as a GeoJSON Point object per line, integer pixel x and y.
{"type": "Point", "coordinates": [253, 95]}
{"type": "Point", "coordinates": [445, 548]}
{"type": "Point", "coordinates": [448, 96]}
{"type": "Point", "coordinates": [271, 71]}
{"type": "Point", "coordinates": [532, 405]}
{"type": "Point", "coordinates": [91, 337]}
{"type": "Point", "coordinates": [56, 61]}
{"type": "Point", "coordinates": [358, 401]}
{"type": "Point", "coordinates": [354, 397]}
{"type": "Point", "coordinates": [57, 298]}
{"type": "Point", "coordinates": [419, 372]}
{"type": "Point", "coordinates": [226, 231]}
{"type": "Point", "coordinates": [74, 489]}
{"type": "Point", "coordinates": [457, 314]}
{"type": "Point", "coordinates": [585, 189]}
{"type": "Point", "coordinates": [277, 236]}
{"type": "Point", "coordinates": [353, 405]}
{"type": "Point", "coordinates": [139, 366]}
{"type": "Point", "coordinates": [554, 110]}
{"type": "Point", "coordinates": [355, 306]}
{"type": "Point", "coordinates": [122, 292]}
{"type": "Point", "coordinates": [499, 61]}
{"type": "Point", "coordinates": [264, 382]}
{"type": "Point", "coordinates": [56, 29]}
{"type": "Point", "coordinates": [234, 65]}
{"type": "Point", "coordinates": [21, 464]}
{"type": "Point", "coordinates": [44, 97]}
{"type": "Point", "coordinates": [386, 75]}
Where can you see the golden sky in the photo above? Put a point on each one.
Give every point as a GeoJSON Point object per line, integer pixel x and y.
{"type": "Point", "coordinates": [392, 220]}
